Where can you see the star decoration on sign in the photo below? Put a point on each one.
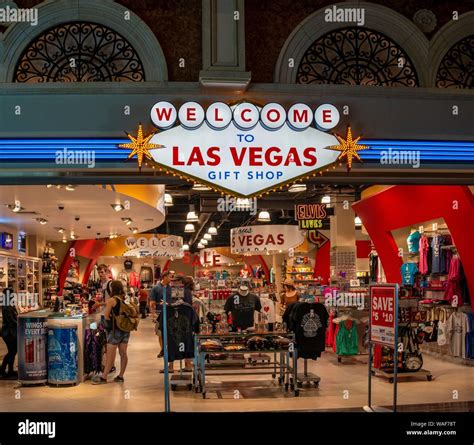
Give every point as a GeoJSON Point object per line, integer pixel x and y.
{"type": "Point", "coordinates": [140, 146]}
{"type": "Point", "coordinates": [348, 148]}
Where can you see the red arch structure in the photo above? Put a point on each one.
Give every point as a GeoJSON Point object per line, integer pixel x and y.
{"type": "Point", "coordinates": [402, 206]}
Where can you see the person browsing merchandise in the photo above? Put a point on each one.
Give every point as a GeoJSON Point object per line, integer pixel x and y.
{"type": "Point", "coordinates": [105, 282]}
{"type": "Point", "coordinates": [156, 302]}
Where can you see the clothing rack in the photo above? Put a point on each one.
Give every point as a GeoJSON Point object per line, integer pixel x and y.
{"type": "Point", "coordinates": [306, 377]}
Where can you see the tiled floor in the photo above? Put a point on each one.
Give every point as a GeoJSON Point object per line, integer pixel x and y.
{"type": "Point", "coordinates": [343, 386]}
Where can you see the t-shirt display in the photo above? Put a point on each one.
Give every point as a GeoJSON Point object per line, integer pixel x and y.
{"type": "Point", "coordinates": [242, 308]}
{"type": "Point", "coordinates": [408, 271]}
{"type": "Point", "coordinates": [457, 327]}
{"type": "Point", "coordinates": [128, 264]}
{"type": "Point", "coordinates": [413, 242]}
{"type": "Point", "coordinates": [436, 244]}
{"type": "Point", "coordinates": [309, 322]}
{"type": "Point", "coordinates": [347, 340]}
{"type": "Point", "coordinates": [268, 310]}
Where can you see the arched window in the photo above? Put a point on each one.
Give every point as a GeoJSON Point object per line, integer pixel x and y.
{"type": "Point", "coordinates": [456, 70]}
{"type": "Point", "coordinates": [356, 56]}
{"type": "Point", "coordinates": [79, 52]}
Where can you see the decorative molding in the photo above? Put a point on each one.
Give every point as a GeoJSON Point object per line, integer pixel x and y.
{"type": "Point", "coordinates": [377, 18]}
{"type": "Point", "coordinates": [105, 12]}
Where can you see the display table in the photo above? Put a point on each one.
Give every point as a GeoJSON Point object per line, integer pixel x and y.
{"type": "Point", "coordinates": [284, 368]}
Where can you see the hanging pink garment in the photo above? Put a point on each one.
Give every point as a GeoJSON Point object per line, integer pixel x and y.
{"type": "Point", "coordinates": [423, 249]}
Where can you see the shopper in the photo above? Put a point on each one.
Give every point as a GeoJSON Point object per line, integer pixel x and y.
{"type": "Point", "coordinates": [156, 301]}
{"type": "Point", "coordinates": [188, 283]}
{"type": "Point", "coordinates": [105, 283]}
{"type": "Point", "coordinates": [9, 335]}
{"type": "Point", "coordinates": [143, 299]}
{"type": "Point", "coordinates": [116, 338]}
{"type": "Point", "coordinates": [290, 294]}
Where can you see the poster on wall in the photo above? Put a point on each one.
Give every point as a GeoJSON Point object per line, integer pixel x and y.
{"type": "Point", "coordinates": [263, 239]}
{"type": "Point", "coordinates": [32, 347]}
{"type": "Point", "coordinates": [7, 241]}
{"type": "Point", "coordinates": [383, 314]}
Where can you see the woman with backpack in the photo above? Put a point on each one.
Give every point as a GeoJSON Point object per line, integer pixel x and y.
{"type": "Point", "coordinates": [117, 337]}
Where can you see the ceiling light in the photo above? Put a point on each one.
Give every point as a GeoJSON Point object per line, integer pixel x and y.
{"type": "Point", "coordinates": [72, 236]}
{"type": "Point", "coordinates": [42, 221]}
{"type": "Point", "coordinates": [58, 186]}
{"type": "Point", "coordinates": [207, 236]}
{"type": "Point", "coordinates": [117, 207]}
{"type": "Point", "coordinates": [64, 240]}
{"type": "Point", "coordinates": [213, 229]}
{"type": "Point", "coordinates": [264, 216]}
{"type": "Point", "coordinates": [185, 247]}
{"type": "Point", "coordinates": [168, 200]}
{"type": "Point", "coordinates": [189, 228]}
{"type": "Point", "coordinates": [326, 199]}
{"type": "Point", "coordinates": [49, 186]}
{"type": "Point", "coordinates": [200, 246]}
{"type": "Point", "coordinates": [203, 241]}
{"type": "Point", "coordinates": [296, 188]}
{"type": "Point", "coordinates": [192, 215]}
{"type": "Point", "coordinates": [70, 187]}
{"type": "Point", "coordinates": [127, 221]}
{"type": "Point", "coordinates": [200, 187]}
{"type": "Point", "coordinates": [16, 208]}
{"type": "Point", "coordinates": [357, 221]}
{"type": "Point", "coordinates": [60, 229]}
{"type": "Point", "coordinates": [134, 230]}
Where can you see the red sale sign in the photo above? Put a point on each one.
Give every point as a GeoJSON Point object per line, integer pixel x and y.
{"type": "Point", "coordinates": [383, 314]}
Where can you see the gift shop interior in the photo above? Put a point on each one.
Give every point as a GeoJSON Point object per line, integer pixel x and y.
{"type": "Point", "coordinates": [266, 298]}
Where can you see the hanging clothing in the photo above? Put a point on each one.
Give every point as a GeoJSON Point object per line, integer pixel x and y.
{"type": "Point", "coordinates": [457, 327]}
{"type": "Point", "coordinates": [242, 308]}
{"type": "Point", "coordinates": [146, 274]}
{"type": "Point", "coordinates": [423, 248]}
{"type": "Point", "coordinates": [453, 290]}
{"type": "Point", "coordinates": [330, 331]}
{"type": "Point", "coordinates": [470, 337]}
{"type": "Point", "coordinates": [182, 322]}
{"type": "Point", "coordinates": [157, 272]}
{"type": "Point", "coordinates": [309, 322]}
{"type": "Point", "coordinates": [268, 310]}
{"type": "Point", "coordinates": [128, 264]}
{"type": "Point", "coordinates": [408, 271]}
{"type": "Point", "coordinates": [134, 279]}
{"type": "Point", "coordinates": [347, 340]}
{"type": "Point", "coordinates": [123, 277]}
{"type": "Point", "coordinates": [436, 244]}
{"type": "Point", "coordinates": [373, 266]}
{"type": "Point", "coordinates": [413, 241]}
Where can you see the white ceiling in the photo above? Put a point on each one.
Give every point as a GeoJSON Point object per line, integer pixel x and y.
{"type": "Point", "coordinates": [91, 203]}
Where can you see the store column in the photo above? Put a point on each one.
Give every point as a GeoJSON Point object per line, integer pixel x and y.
{"type": "Point", "coordinates": [223, 45]}
{"type": "Point", "coordinates": [343, 244]}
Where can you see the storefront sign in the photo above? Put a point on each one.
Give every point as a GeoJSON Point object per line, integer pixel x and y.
{"type": "Point", "coordinates": [262, 239]}
{"type": "Point", "coordinates": [310, 216]}
{"type": "Point", "coordinates": [243, 150]}
{"type": "Point", "coordinates": [383, 314]}
{"type": "Point", "coordinates": [145, 246]}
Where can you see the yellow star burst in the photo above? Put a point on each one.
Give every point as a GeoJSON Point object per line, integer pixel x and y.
{"type": "Point", "coordinates": [348, 148]}
{"type": "Point", "coordinates": [140, 146]}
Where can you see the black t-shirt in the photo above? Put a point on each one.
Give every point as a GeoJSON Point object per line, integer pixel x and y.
{"type": "Point", "coordinates": [242, 308]}
{"type": "Point", "coordinates": [309, 321]}
{"type": "Point", "coordinates": [128, 264]}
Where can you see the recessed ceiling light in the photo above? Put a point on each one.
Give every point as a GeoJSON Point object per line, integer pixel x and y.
{"type": "Point", "coordinates": [326, 199]}
{"type": "Point", "coordinates": [70, 187]}
{"type": "Point", "coordinates": [127, 221]}
{"type": "Point", "coordinates": [60, 229]}
{"type": "Point", "coordinates": [64, 240]}
{"type": "Point", "coordinates": [42, 221]}
{"type": "Point", "coordinates": [200, 187]}
{"type": "Point", "coordinates": [117, 207]}
{"type": "Point", "coordinates": [72, 236]}
{"type": "Point", "coordinates": [49, 186]}
{"type": "Point", "coordinates": [134, 230]}
{"type": "Point", "coordinates": [207, 236]}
